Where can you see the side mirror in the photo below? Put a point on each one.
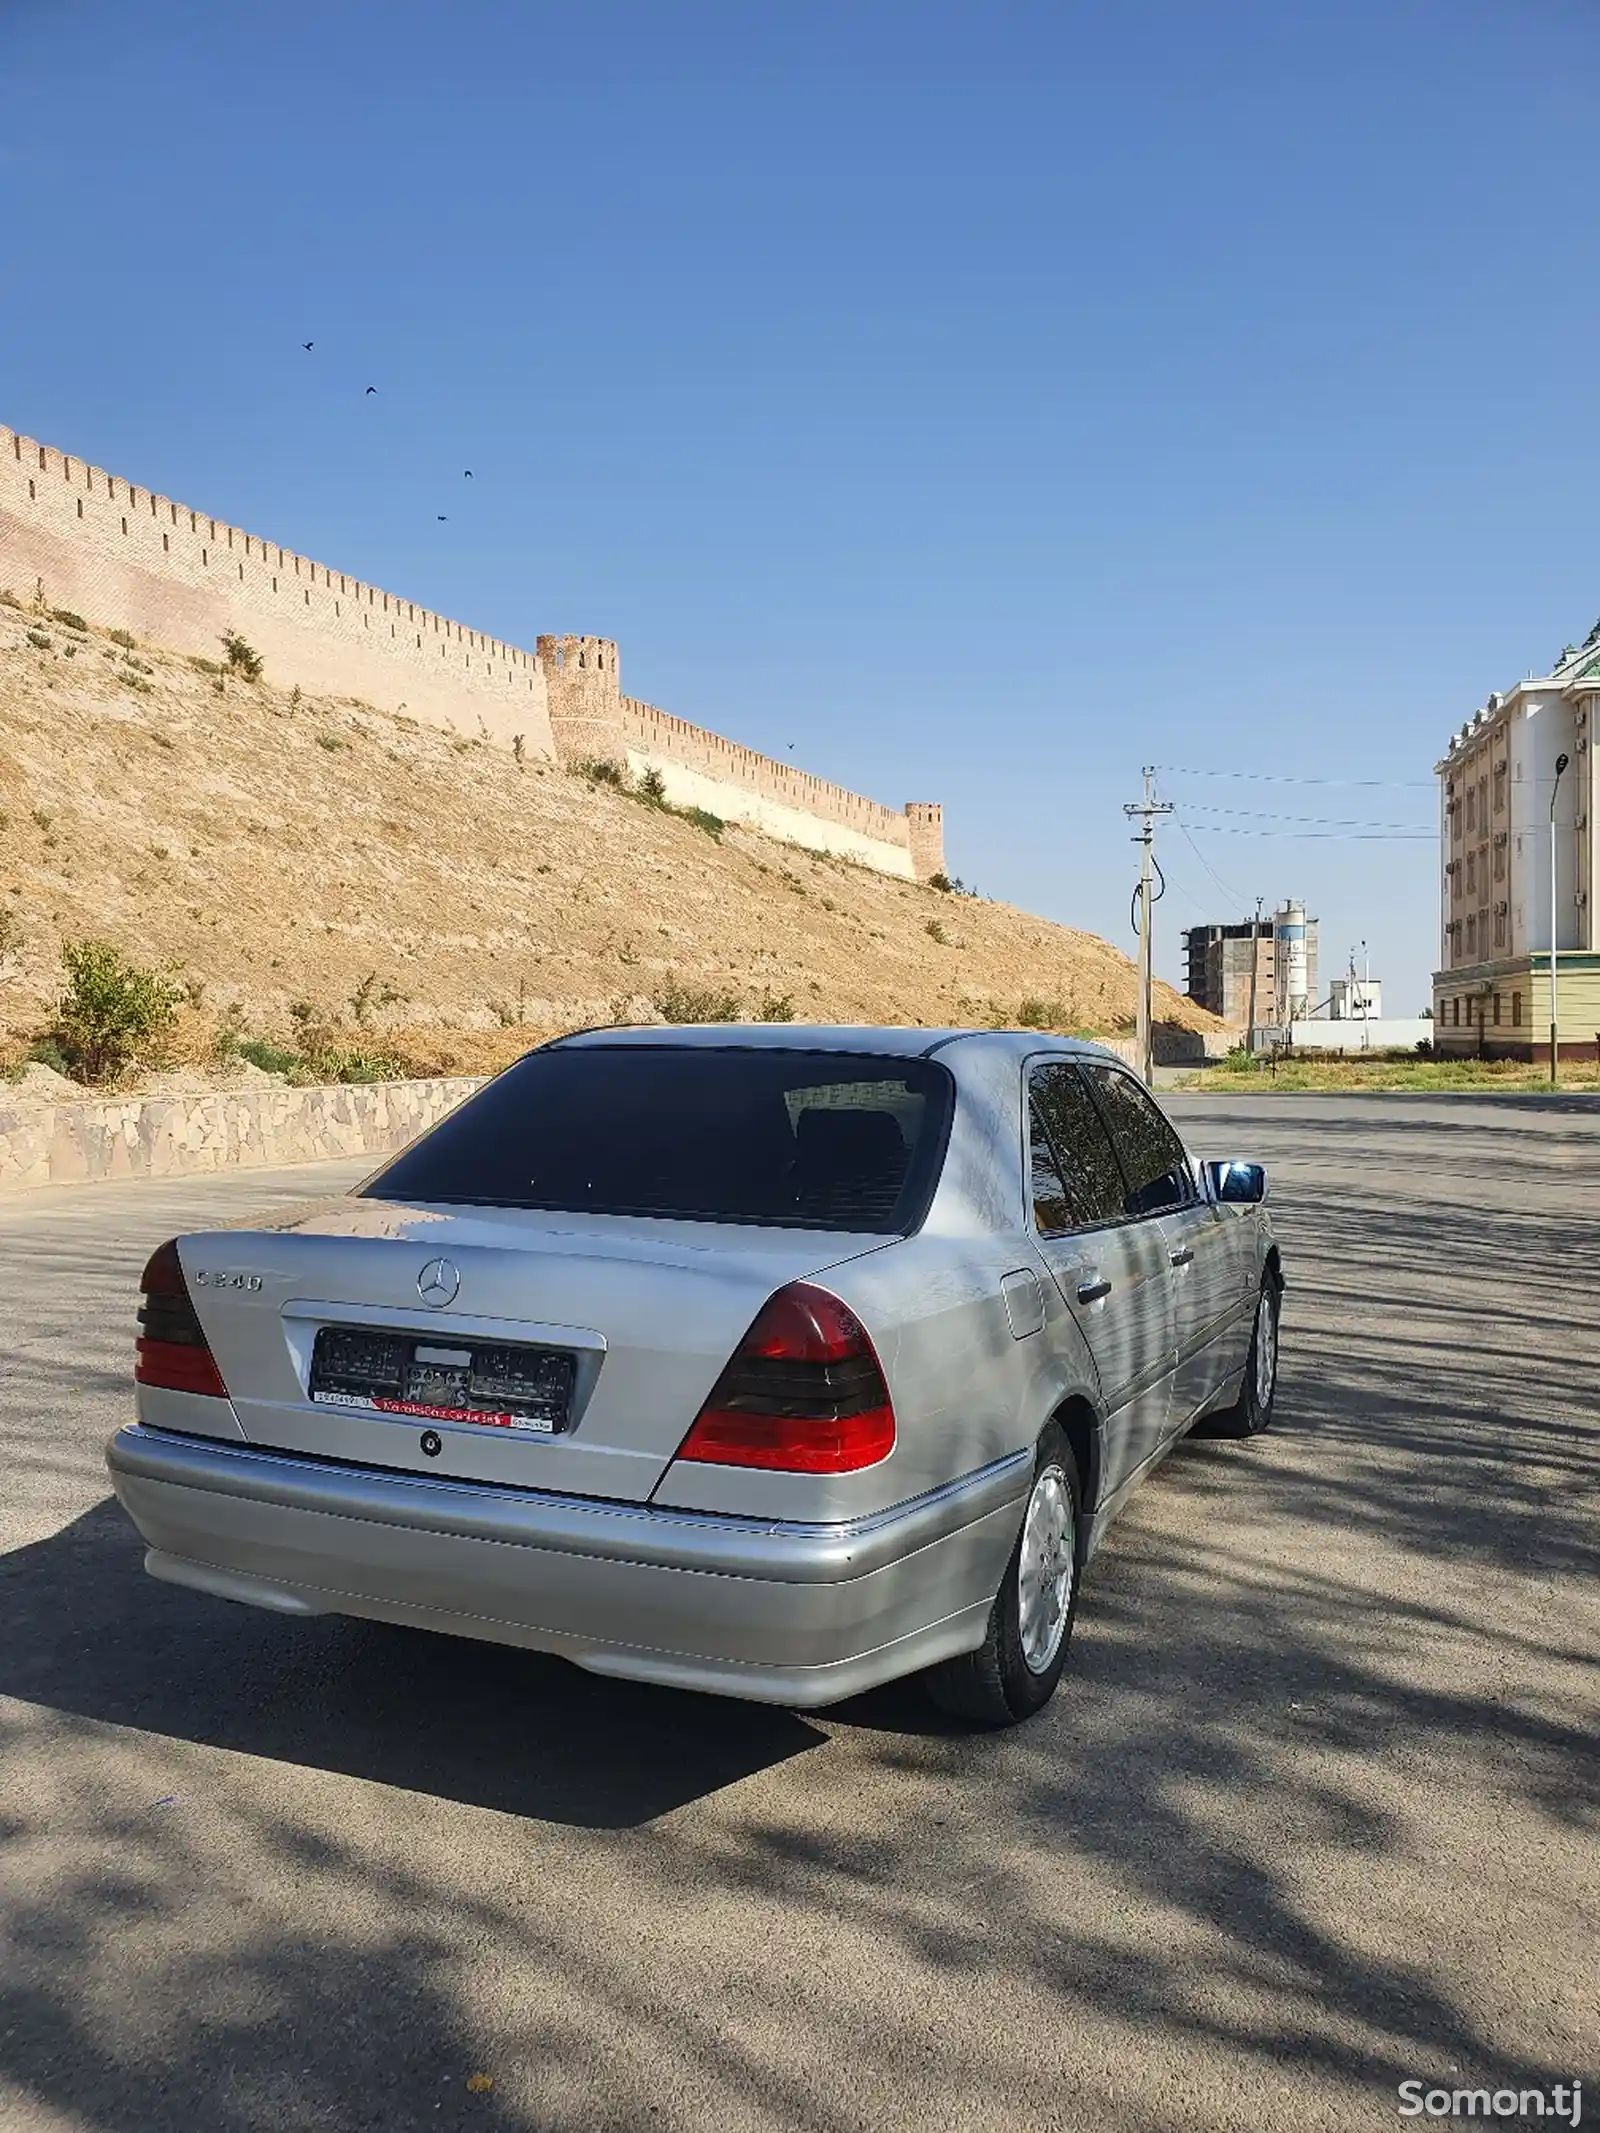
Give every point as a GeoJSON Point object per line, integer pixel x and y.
{"type": "Point", "coordinates": [1244, 1183]}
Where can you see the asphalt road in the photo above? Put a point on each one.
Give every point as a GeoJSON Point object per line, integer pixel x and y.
{"type": "Point", "coordinates": [1315, 1814]}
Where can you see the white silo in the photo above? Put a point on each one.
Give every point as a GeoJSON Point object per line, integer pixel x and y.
{"type": "Point", "coordinates": [1291, 962]}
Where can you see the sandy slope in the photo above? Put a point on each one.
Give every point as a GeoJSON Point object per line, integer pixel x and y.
{"type": "Point", "coordinates": [280, 852]}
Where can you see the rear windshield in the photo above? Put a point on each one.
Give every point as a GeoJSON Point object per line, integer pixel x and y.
{"type": "Point", "coordinates": [815, 1140]}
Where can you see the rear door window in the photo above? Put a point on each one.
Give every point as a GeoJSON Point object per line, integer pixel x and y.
{"type": "Point", "coordinates": [791, 1138]}
{"type": "Point", "coordinates": [1152, 1157]}
{"type": "Point", "coordinates": [1076, 1179]}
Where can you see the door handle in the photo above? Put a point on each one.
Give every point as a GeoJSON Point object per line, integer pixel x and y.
{"type": "Point", "coordinates": [1182, 1256]}
{"type": "Point", "coordinates": [1091, 1291]}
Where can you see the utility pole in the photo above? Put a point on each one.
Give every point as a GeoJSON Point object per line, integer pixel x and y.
{"type": "Point", "coordinates": [1146, 810]}
{"type": "Point", "coordinates": [1255, 974]}
{"type": "Point", "coordinates": [1555, 932]}
{"type": "Point", "coordinates": [1366, 998]}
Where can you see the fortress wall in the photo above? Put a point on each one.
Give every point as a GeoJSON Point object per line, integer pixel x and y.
{"type": "Point", "coordinates": [124, 557]}
{"type": "Point", "coordinates": [760, 790]}
{"type": "Point", "coordinates": [75, 537]}
{"type": "Point", "coordinates": [688, 787]}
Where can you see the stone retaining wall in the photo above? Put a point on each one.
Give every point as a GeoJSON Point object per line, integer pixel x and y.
{"type": "Point", "coordinates": [234, 1129]}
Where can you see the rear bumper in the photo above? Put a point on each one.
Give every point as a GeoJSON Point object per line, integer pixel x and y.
{"type": "Point", "coordinates": [785, 1613]}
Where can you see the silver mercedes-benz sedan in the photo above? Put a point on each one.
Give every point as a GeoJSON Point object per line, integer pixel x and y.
{"type": "Point", "coordinates": [773, 1361]}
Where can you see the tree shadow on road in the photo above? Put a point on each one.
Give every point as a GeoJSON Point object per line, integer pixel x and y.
{"type": "Point", "coordinates": [1312, 1816]}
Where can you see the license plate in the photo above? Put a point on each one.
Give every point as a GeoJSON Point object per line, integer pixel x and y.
{"type": "Point", "coordinates": [491, 1385]}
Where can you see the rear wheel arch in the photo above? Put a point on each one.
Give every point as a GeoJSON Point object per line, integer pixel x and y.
{"type": "Point", "coordinates": [1080, 1425]}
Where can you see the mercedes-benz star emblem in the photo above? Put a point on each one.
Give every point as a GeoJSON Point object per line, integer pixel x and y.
{"type": "Point", "coordinates": [438, 1283]}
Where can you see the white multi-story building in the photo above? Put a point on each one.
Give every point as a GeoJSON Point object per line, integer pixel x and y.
{"type": "Point", "coordinates": [1497, 782]}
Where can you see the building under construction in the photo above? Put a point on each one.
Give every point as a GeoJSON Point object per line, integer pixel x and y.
{"type": "Point", "coordinates": [1281, 951]}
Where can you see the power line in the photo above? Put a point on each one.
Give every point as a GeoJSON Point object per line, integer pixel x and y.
{"type": "Point", "coordinates": [1232, 895]}
{"type": "Point", "coordinates": [1229, 829]}
{"type": "Point", "coordinates": [1264, 814]}
{"type": "Point", "coordinates": [1271, 777]}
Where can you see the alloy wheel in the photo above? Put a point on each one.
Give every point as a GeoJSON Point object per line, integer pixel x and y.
{"type": "Point", "coordinates": [1266, 1353]}
{"type": "Point", "coordinates": [1044, 1570]}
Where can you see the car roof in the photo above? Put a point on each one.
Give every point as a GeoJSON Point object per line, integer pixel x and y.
{"type": "Point", "coordinates": [893, 1041]}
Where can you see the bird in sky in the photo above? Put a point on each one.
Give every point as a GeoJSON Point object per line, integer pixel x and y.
{"type": "Point", "coordinates": [467, 474]}
{"type": "Point", "coordinates": [442, 519]}
{"type": "Point", "coordinates": [372, 388]}
{"type": "Point", "coordinates": [308, 344]}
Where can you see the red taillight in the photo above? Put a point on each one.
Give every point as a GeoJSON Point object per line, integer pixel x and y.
{"type": "Point", "coordinates": [804, 1392]}
{"type": "Point", "coordinates": [172, 1350]}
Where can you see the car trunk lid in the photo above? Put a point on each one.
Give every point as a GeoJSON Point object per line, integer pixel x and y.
{"type": "Point", "coordinates": [557, 1351]}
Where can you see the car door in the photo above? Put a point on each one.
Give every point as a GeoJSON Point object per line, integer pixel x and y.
{"type": "Point", "coordinates": [1195, 1237]}
{"type": "Point", "coordinates": [1112, 1270]}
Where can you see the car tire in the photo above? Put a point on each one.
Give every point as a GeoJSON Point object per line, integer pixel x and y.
{"type": "Point", "coordinates": [1251, 1413]}
{"type": "Point", "coordinates": [1014, 1672]}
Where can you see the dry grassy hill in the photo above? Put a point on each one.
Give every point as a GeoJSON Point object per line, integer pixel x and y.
{"type": "Point", "coordinates": [277, 849]}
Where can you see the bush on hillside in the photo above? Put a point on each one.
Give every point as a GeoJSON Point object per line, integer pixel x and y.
{"type": "Point", "coordinates": [602, 771]}
{"type": "Point", "coordinates": [1042, 1014]}
{"type": "Point", "coordinates": [676, 1002]}
{"type": "Point", "coordinates": [243, 658]}
{"type": "Point", "coordinates": [112, 1014]}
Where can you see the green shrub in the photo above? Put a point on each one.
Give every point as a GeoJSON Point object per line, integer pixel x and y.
{"type": "Point", "coordinates": [243, 658]}
{"type": "Point", "coordinates": [600, 770]}
{"type": "Point", "coordinates": [335, 1061]}
{"type": "Point", "coordinates": [775, 1006]}
{"type": "Point", "coordinates": [935, 932]}
{"type": "Point", "coordinates": [48, 1053]}
{"type": "Point", "coordinates": [39, 641]}
{"type": "Point", "coordinates": [1042, 1014]}
{"type": "Point", "coordinates": [270, 1058]}
{"type": "Point", "coordinates": [704, 819]}
{"type": "Point", "coordinates": [942, 883]}
{"type": "Point", "coordinates": [112, 1013]}
{"type": "Point", "coordinates": [203, 666]}
{"type": "Point", "coordinates": [677, 1002]}
{"type": "Point", "coordinates": [129, 643]}
{"type": "Point", "coordinates": [653, 788]}
{"type": "Point", "coordinates": [330, 741]}
{"type": "Point", "coordinates": [67, 619]}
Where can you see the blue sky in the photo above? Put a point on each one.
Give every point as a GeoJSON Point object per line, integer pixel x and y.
{"type": "Point", "coordinates": [986, 399]}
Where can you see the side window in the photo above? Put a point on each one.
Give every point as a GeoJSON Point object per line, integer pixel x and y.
{"type": "Point", "coordinates": [1081, 1156]}
{"type": "Point", "coordinates": [1052, 1209]}
{"type": "Point", "coordinates": [1151, 1154]}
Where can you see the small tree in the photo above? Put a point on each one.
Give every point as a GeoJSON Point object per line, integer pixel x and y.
{"type": "Point", "coordinates": [112, 1013]}
{"type": "Point", "coordinates": [243, 658]}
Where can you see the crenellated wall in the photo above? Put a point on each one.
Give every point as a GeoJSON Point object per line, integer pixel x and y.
{"type": "Point", "coordinates": [125, 557]}
{"type": "Point", "coordinates": [74, 537]}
